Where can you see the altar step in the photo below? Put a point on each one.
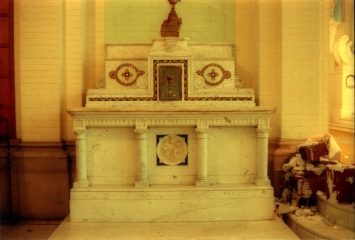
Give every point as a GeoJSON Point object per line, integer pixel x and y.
{"type": "Point", "coordinates": [333, 221]}
{"type": "Point", "coordinates": [171, 203]}
{"type": "Point", "coordinates": [262, 229]}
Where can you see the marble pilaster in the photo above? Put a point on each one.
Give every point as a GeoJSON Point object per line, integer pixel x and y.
{"type": "Point", "coordinates": [81, 180]}
{"type": "Point", "coordinates": [202, 159]}
{"type": "Point", "coordinates": [262, 157]}
{"type": "Point", "coordinates": [142, 156]}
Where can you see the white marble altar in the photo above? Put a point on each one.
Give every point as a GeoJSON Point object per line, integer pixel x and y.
{"type": "Point", "coordinates": [171, 136]}
{"type": "Point", "coordinates": [118, 179]}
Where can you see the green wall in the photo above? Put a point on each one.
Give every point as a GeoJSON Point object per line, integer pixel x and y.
{"type": "Point", "coordinates": [139, 21]}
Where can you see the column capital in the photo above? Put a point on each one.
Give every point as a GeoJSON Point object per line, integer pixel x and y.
{"type": "Point", "coordinates": [202, 124]}
{"type": "Point", "coordinates": [201, 133]}
{"type": "Point", "coordinates": [79, 133]}
{"type": "Point", "coordinates": [263, 132]}
{"type": "Point", "coordinates": [142, 131]}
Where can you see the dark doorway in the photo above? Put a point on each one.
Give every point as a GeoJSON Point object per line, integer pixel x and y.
{"type": "Point", "coordinates": [7, 80]}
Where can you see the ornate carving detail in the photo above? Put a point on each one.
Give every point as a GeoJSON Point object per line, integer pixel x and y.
{"type": "Point", "coordinates": [172, 122]}
{"type": "Point", "coordinates": [199, 82]}
{"type": "Point", "coordinates": [172, 150]}
{"type": "Point", "coordinates": [101, 84]}
{"type": "Point", "coordinates": [129, 72]}
{"type": "Point", "coordinates": [342, 52]}
{"type": "Point", "coordinates": [263, 123]}
{"type": "Point", "coordinates": [211, 72]}
{"type": "Point", "coordinates": [202, 123]}
{"type": "Point", "coordinates": [79, 123]}
{"type": "Point", "coordinates": [142, 123]}
{"type": "Point", "coordinates": [142, 82]}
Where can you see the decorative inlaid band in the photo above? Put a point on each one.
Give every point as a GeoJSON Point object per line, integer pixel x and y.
{"type": "Point", "coordinates": [214, 74]}
{"type": "Point", "coordinates": [122, 99]}
{"type": "Point", "coordinates": [128, 72]}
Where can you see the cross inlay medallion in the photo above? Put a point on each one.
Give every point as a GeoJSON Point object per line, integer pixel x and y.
{"type": "Point", "coordinates": [213, 74]}
{"type": "Point", "coordinates": [126, 74]}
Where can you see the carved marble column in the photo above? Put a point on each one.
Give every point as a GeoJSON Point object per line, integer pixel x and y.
{"type": "Point", "coordinates": [142, 155]}
{"type": "Point", "coordinates": [81, 180]}
{"type": "Point", "coordinates": [262, 157]}
{"type": "Point", "coordinates": [201, 178]}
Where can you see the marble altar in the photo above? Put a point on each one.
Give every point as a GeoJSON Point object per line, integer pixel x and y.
{"type": "Point", "coordinates": [156, 144]}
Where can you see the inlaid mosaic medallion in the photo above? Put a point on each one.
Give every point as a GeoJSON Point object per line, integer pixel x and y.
{"type": "Point", "coordinates": [213, 74]}
{"type": "Point", "coordinates": [126, 74]}
{"type": "Point", "coordinates": [172, 150]}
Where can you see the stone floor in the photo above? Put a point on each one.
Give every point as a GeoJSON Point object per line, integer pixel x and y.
{"type": "Point", "coordinates": [29, 230]}
{"type": "Point", "coordinates": [267, 229]}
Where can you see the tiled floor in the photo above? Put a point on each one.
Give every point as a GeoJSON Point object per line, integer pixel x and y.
{"type": "Point", "coordinates": [29, 230]}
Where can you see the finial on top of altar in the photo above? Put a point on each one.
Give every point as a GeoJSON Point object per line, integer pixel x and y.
{"type": "Point", "coordinates": [171, 26]}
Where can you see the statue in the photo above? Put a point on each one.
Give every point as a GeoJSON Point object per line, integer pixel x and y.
{"type": "Point", "coordinates": [171, 26]}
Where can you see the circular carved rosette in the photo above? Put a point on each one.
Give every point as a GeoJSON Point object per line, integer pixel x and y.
{"type": "Point", "coordinates": [172, 150]}
{"type": "Point", "coordinates": [213, 74]}
{"type": "Point", "coordinates": [126, 74]}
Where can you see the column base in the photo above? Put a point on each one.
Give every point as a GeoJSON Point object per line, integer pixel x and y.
{"type": "Point", "coordinates": [262, 182]}
{"type": "Point", "coordinates": [142, 184]}
{"type": "Point", "coordinates": [204, 183]}
{"type": "Point", "coordinates": [81, 184]}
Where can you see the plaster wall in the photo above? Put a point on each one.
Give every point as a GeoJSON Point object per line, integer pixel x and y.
{"type": "Point", "coordinates": [304, 69]}
{"type": "Point", "coordinates": [38, 69]}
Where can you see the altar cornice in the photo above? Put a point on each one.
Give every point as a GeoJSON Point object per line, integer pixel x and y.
{"type": "Point", "coordinates": [145, 117]}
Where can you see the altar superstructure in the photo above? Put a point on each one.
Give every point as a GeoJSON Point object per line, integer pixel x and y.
{"type": "Point", "coordinates": [171, 135]}
{"type": "Point", "coordinates": [138, 73]}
